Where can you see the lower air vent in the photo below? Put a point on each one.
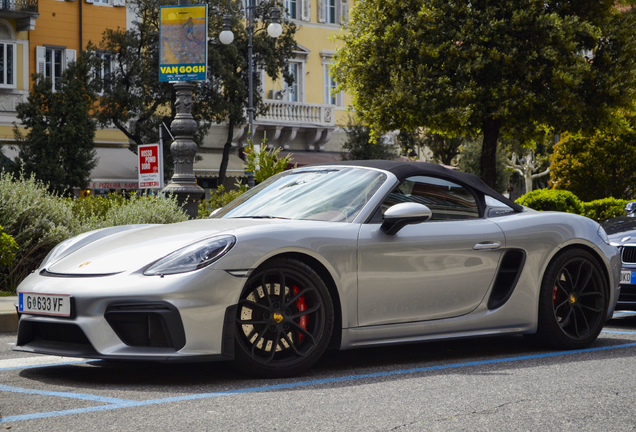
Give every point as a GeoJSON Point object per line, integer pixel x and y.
{"type": "Point", "coordinates": [628, 254]}
{"type": "Point", "coordinates": [61, 333]}
{"type": "Point", "coordinates": [507, 277]}
{"type": "Point", "coordinates": [156, 325]}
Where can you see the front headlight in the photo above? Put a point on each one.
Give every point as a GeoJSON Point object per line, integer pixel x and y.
{"type": "Point", "coordinates": [193, 257]}
{"type": "Point", "coordinates": [603, 235]}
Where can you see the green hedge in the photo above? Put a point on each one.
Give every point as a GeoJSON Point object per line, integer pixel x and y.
{"type": "Point", "coordinates": [565, 201]}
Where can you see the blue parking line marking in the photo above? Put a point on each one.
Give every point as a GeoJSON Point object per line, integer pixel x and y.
{"type": "Point", "coordinates": [124, 403]}
{"type": "Point", "coordinates": [81, 396]}
{"type": "Point", "coordinates": [619, 332]}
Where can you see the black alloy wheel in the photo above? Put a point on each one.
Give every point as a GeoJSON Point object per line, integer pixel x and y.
{"type": "Point", "coordinates": [284, 320]}
{"type": "Point", "coordinates": [573, 301]}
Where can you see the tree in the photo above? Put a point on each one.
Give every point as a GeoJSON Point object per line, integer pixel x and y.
{"type": "Point", "coordinates": [58, 147]}
{"type": "Point", "coordinates": [594, 167]}
{"type": "Point", "coordinates": [360, 146]}
{"type": "Point", "coordinates": [444, 148]}
{"type": "Point", "coordinates": [227, 94]}
{"type": "Point", "coordinates": [488, 67]}
{"type": "Point", "coordinates": [133, 100]}
{"type": "Point", "coordinates": [527, 167]}
{"type": "Point", "coordinates": [136, 102]}
{"type": "Point", "coordinates": [469, 157]}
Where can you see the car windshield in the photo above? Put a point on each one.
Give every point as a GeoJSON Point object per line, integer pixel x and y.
{"type": "Point", "coordinates": [325, 194]}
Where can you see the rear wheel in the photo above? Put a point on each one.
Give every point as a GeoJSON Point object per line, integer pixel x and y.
{"type": "Point", "coordinates": [573, 301]}
{"type": "Point", "coordinates": [284, 320]}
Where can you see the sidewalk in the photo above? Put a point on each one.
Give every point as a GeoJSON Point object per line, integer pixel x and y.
{"type": "Point", "coordinates": [8, 315]}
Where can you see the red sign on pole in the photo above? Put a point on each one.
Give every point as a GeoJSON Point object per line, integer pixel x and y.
{"type": "Point", "coordinates": [149, 172]}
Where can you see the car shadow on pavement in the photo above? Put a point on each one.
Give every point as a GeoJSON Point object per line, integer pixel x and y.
{"type": "Point", "coordinates": [188, 378]}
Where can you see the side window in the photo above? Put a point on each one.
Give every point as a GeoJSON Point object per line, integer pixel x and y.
{"type": "Point", "coordinates": [447, 200]}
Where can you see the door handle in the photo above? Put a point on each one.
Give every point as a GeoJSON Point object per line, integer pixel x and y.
{"type": "Point", "coordinates": [487, 246]}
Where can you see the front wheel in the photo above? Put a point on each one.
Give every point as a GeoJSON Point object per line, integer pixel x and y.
{"type": "Point", "coordinates": [284, 320]}
{"type": "Point", "coordinates": [573, 301]}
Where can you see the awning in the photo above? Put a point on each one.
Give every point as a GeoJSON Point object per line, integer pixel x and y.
{"type": "Point", "coordinates": [116, 169]}
{"type": "Point", "coordinates": [302, 158]}
{"type": "Point", "coordinates": [211, 162]}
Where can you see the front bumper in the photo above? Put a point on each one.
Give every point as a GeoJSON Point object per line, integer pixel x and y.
{"type": "Point", "coordinates": [134, 317]}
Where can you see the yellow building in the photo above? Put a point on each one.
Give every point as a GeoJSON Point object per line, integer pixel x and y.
{"type": "Point", "coordinates": [44, 36]}
{"type": "Point", "coordinates": [303, 118]}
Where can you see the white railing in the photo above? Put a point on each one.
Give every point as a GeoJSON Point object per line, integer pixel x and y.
{"type": "Point", "coordinates": [298, 112]}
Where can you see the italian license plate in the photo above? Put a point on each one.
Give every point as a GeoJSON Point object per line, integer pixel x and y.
{"type": "Point", "coordinates": [628, 277]}
{"type": "Point", "coordinates": [45, 304]}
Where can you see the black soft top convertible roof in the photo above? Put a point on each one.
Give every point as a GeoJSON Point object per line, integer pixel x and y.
{"type": "Point", "coordinates": [403, 170]}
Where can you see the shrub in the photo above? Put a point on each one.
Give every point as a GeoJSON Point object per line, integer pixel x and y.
{"type": "Point", "coordinates": [551, 200]}
{"type": "Point", "coordinates": [220, 198]}
{"type": "Point", "coordinates": [99, 212]}
{"type": "Point", "coordinates": [38, 219]}
{"type": "Point", "coordinates": [8, 246]}
{"type": "Point", "coordinates": [605, 208]}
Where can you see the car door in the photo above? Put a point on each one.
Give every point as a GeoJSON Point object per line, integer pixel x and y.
{"type": "Point", "coordinates": [436, 269]}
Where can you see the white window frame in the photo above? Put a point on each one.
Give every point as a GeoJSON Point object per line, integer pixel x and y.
{"type": "Point", "coordinates": [328, 82]}
{"type": "Point", "coordinates": [67, 56]}
{"type": "Point", "coordinates": [297, 6]}
{"type": "Point", "coordinates": [4, 48]}
{"type": "Point", "coordinates": [331, 11]}
{"type": "Point", "coordinates": [298, 78]}
{"type": "Point", "coordinates": [101, 73]}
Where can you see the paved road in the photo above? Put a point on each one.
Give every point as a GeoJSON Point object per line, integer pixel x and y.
{"type": "Point", "coordinates": [480, 384]}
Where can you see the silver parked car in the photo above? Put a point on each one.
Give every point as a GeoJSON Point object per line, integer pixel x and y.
{"type": "Point", "coordinates": [343, 255]}
{"type": "Point", "coordinates": [622, 234]}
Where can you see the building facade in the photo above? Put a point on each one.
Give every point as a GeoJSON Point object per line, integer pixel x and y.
{"type": "Point", "coordinates": [43, 36]}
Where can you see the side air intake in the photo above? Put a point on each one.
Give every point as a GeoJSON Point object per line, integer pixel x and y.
{"type": "Point", "coordinates": [507, 277]}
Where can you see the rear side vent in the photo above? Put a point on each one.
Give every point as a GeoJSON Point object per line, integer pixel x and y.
{"type": "Point", "coordinates": [507, 277]}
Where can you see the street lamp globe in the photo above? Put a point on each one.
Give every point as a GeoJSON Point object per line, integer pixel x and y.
{"type": "Point", "coordinates": [226, 37]}
{"type": "Point", "coordinates": [274, 30]}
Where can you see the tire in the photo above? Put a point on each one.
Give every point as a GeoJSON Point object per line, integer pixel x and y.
{"type": "Point", "coordinates": [572, 301]}
{"type": "Point", "coordinates": [281, 332]}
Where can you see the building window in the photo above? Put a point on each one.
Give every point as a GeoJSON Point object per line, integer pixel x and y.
{"type": "Point", "coordinates": [7, 65]}
{"type": "Point", "coordinates": [51, 62]}
{"type": "Point", "coordinates": [330, 85]}
{"type": "Point", "coordinates": [292, 11]}
{"type": "Point", "coordinates": [330, 11]}
{"type": "Point", "coordinates": [54, 68]}
{"type": "Point", "coordinates": [292, 91]}
{"type": "Point", "coordinates": [102, 73]}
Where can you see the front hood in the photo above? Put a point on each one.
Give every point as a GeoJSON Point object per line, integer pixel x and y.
{"type": "Point", "coordinates": [619, 225]}
{"type": "Point", "coordinates": [134, 249]}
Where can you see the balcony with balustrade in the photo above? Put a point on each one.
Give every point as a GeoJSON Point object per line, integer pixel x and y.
{"type": "Point", "coordinates": [24, 12]}
{"type": "Point", "coordinates": [284, 121]}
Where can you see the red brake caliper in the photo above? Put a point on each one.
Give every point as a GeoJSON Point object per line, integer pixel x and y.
{"type": "Point", "coordinates": [554, 294]}
{"type": "Point", "coordinates": [301, 306]}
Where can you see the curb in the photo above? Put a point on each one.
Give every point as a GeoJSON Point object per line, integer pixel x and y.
{"type": "Point", "coordinates": [8, 315]}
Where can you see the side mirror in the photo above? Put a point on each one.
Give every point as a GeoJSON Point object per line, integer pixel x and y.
{"type": "Point", "coordinates": [630, 208]}
{"type": "Point", "coordinates": [400, 215]}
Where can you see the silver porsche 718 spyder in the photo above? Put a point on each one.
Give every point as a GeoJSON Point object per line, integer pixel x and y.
{"type": "Point", "coordinates": [340, 256]}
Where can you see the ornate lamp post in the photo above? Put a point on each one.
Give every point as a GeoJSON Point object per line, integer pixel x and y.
{"type": "Point", "coordinates": [183, 149]}
{"type": "Point", "coordinates": [226, 37]}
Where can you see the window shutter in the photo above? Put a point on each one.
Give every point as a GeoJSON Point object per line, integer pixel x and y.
{"type": "Point", "coordinates": [321, 11]}
{"type": "Point", "coordinates": [344, 11]}
{"type": "Point", "coordinates": [305, 12]}
{"type": "Point", "coordinates": [70, 56]}
{"type": "Point", "coordinates": [40, 60]}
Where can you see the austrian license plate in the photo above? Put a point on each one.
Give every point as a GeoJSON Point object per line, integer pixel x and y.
{"type": "Point", "coordinates": [44, 304]}
{"type": "Point", "coordinates": [628, 277]}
